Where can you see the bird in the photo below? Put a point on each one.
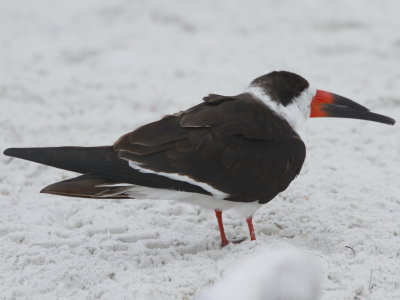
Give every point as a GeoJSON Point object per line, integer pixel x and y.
{"type": "Point", "coordinates": [226, 152]}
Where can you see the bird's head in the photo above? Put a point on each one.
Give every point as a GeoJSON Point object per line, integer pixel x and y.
{"type": "Point", "coordinates": [291, 96]}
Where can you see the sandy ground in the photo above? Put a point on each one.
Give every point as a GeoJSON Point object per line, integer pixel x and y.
{"type": "Point", "coordinates": [86, 72]}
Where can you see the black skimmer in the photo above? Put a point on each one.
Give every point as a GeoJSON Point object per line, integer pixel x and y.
{"type": "Point", "coordinates": [226, 152]}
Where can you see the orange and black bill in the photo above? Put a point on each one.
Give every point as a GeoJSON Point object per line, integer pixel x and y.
{"type": "Point", "coordinates": [326, 104]}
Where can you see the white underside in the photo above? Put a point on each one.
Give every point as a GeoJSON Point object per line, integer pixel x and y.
{"type": "Point", "coordinates": [210, 202]}
{"type": "Point", "coordinates": [215, 201]}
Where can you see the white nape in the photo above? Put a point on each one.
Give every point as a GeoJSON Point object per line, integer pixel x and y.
{"type": "Point", "coordinates": [295, 113]}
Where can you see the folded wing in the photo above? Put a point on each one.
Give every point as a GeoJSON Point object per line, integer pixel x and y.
{"type": "Point", "coordinates": [236, 145]}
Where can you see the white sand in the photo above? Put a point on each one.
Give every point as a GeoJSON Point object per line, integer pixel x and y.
{"type": "Point", "coordinates": [86, 72]}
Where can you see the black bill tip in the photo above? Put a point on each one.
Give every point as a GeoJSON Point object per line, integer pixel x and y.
{"type": "Point", "coordinates": [339, 111]}
{"type": "Point", "coordinates": [9, 151]}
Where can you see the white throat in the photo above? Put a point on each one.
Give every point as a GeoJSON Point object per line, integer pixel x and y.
{"type": "Point", "coordinates": [296, 113]}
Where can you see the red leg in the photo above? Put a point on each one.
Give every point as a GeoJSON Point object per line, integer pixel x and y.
{"type": "Point", "coordinates": [224, 240]}
{"type": "Point", "coordinates": [251, 229]}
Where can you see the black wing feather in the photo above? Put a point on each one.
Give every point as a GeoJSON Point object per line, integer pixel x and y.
{"type": "Point", "coordinates": [102, 161]}
{"type": "Point", "coordinates": [235, 144]}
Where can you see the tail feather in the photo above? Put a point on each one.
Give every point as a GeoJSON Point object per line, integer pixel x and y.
{"type": "Point", "coordinates": [87, 186]}
{"type": "Point", "coordinates": [101, 161]}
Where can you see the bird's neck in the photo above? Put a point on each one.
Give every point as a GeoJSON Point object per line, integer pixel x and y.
{"type": "Point", "coordinates": [295, 113]}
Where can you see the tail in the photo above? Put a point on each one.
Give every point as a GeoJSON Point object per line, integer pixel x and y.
{"type": "Point", "coordinates": [101, 165]}
{"type": "Point", "coordinates": [88, 186]}
{"type": "Point", "coordinates": [102, 161]}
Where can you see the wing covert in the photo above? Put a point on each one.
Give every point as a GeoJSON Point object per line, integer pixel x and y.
{"type": "Point", "coordinates": [234, 144]}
